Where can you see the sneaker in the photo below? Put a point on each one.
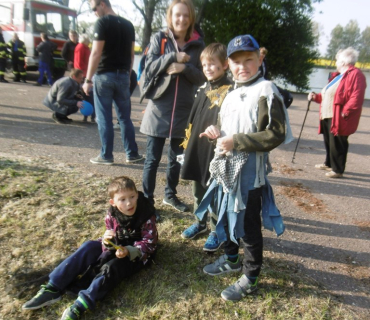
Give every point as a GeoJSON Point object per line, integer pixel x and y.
{"type": "Point", "coordinates": [221, 266]}
{"type": "Point", "coordinates": [322, 166]}
{"type": "Point", "coordinates": [116, 126]}
{"type": "Point", "coordinates": [333, 174]}
{"type": "Point", "coordinates": [176, 203]}
{"type": "Point", "coordinates": [239, 289]}
{"type": "Point", "coordinates": [58, 120]}
{"type": "Point", "coordinates": [74, 312]}
{"type": "Point", "coordinates": [37, 84]}
{"type": "Point", "coordinates": [193, 231]}
{"type": "Point", "coordinates": [68, 120]}
{"type": "Point", "coordinates": [134, 159]}
{"type": "Point", "coordinates": [45, 297]}
{"type": "Point", "coordinates": [84, 119]}
{"type": "Point", "coordinates": [212, 244]}
{"type": "Point", "coordinates": [100, 160]}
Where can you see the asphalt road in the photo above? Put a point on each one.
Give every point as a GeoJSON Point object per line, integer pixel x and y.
{"type": "Point", "coordinates": [327, 220]}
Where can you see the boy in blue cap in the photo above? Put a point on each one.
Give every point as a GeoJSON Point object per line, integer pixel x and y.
{"type": "Point", "coordinates": [252, 122]}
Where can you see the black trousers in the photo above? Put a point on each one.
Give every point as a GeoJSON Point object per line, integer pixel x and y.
{"type": "Point", "coordinates": [18, 67]}
{"type": "Point", "coordinates": [2, 66]}
{"type": "Point", "coordinates": [336, 148]}
{"type": "Point", "coordinates": [252, 242]}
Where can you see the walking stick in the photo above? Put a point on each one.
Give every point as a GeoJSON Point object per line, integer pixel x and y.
{"type": "Point", "coordinates": [304, 120]}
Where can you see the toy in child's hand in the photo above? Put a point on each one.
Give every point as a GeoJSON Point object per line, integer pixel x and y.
{"type": "Point", "coordinates": [113, 244]}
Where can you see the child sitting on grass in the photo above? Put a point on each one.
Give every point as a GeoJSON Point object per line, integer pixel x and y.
{"type": "Point", "coordinates": [252, 122]}
{"type": "Point", "coordinates": [199, 152]}
{"type": "Point", "coordinates": [97, 267]}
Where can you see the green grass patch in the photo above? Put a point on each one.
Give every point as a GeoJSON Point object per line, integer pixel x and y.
{"type": "Point", "coordinates": [46, 214]}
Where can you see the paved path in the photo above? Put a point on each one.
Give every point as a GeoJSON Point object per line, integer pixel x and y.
{"type": "Point", "coordinates": [328, 220]}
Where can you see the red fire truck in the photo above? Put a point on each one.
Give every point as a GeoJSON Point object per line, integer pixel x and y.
{"type": "Point", "coordinates": [28, 18]}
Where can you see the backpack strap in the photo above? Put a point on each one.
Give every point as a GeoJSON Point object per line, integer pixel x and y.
{"type": "Point", "coordinates": [163, 45]}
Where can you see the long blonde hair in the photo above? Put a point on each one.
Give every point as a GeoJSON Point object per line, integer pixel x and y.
{"type": "Point", "coordinates": [189, 4]}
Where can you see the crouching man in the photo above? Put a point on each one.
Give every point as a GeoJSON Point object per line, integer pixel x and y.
{"type": "Point", "coordinates": [64, 97]}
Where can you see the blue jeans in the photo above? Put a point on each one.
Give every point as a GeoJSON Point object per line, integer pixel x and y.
{"type": "Point", "coordinates": [113, 88]}
{"type": "Point", "coordinates": [44, 67]}
{"type": "Point", "coordinates": [154, 148]}
{"type": "Point", "coordinates": [99, 284]}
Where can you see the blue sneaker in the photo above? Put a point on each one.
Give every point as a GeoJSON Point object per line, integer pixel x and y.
{"type": "Point", "coordinates": [212, 244]}
{"type": "Point", "coordinates": [193, 231]}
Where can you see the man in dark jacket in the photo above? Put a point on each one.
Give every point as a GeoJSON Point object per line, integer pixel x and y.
{"type": "Point", "coordinates": [3, 55]}
{"type": "Point", "coordinates": [64, 97]}
{"type": "Point", "coordinates": [45, 50]}
{"type": "Point", "coordinates": [17, 53]}
{"type": "Point", "coordinates": [68, 51]}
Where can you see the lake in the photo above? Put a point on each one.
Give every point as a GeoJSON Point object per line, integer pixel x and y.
{"type": "Point", "coordinates": [317, 80]}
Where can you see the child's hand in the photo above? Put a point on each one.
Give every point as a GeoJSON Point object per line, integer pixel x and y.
{"type": "Point", "coordinates": [108, 234]}
{"type": "Point", "coordinates": [121, 253]}
{"type": "Point", "coordinates": [212, 132]}
{"type": "Point", "coordinates": [226, 144]}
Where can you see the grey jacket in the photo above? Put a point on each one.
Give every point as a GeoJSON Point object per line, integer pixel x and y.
{"type": "Point", "coordinates": [61, 98]}
{"type": "Point", "coordinates": [167, 116]}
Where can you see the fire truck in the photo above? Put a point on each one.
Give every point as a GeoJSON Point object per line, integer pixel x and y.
{"type": "Point", "coordinates": [28, 18]}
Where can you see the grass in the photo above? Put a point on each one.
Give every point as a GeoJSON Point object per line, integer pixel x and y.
{"type": "Point", "coordinates": [327, 63]}
{"type": "Point", "coordinates": [48, 213]}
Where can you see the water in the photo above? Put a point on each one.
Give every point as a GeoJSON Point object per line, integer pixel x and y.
{"type": "Point", "coordinates": [319, 79]}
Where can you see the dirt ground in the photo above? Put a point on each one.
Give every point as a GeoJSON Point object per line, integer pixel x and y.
{"type": "Point", "coordinates": [327, 220]}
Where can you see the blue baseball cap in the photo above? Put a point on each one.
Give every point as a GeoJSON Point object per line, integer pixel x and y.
{"type": "Point", "coordinates": [242, 43]}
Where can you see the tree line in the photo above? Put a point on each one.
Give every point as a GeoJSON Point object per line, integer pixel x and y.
{"type": "Point", "coordinates": [284, 27]}
{"type": "Point", "coordinates": [350, 36]}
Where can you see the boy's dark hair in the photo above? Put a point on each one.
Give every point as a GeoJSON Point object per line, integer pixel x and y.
{"type": "Point", "coordinates": [214, 50]}
{"type": "Point", "coordinates": [120, 184]}
{"type": "Point", "coordinates": [75, 72]}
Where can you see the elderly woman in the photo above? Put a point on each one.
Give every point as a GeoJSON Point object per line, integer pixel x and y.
{"type": "Point", "coordinates": [340, 110]}
{"type": "Point", "coordinates": [82, 54]}
{"type": "Point", "coordinates": [173, 63]}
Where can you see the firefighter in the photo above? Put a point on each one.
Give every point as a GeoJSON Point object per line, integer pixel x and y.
{"type": "Point", "coordinates": [3, 56]}
{"type": "Point", "coordinates": [17, 53]}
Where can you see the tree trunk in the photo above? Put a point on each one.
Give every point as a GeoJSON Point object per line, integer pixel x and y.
{"type": "Point", "coordinates": [201, 12]}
